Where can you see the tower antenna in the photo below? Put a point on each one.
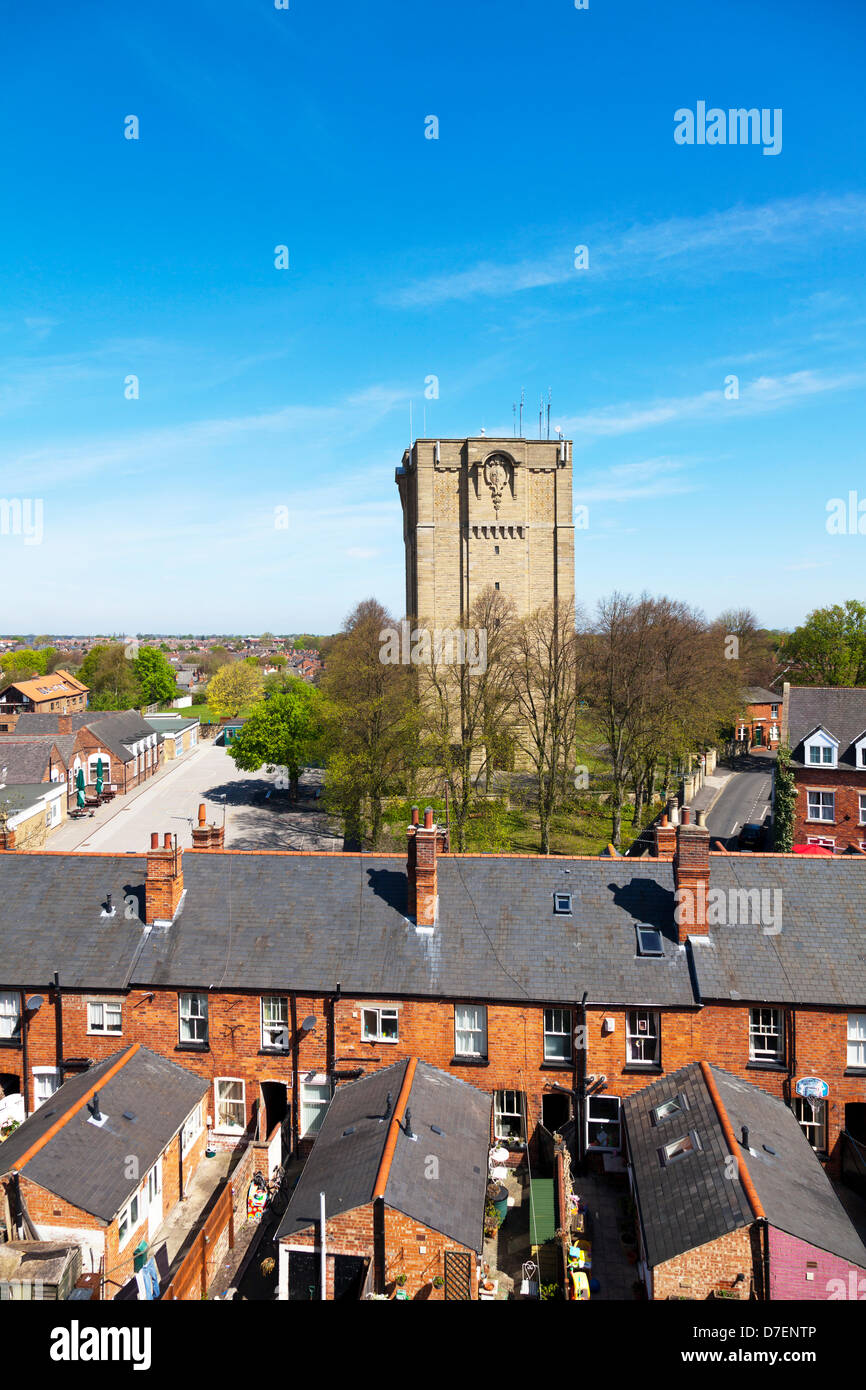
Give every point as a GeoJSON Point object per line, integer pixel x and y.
{"type": "Point", "coordinates": [514, 417]}
{"type": "Point", "coordinates": [540, 414]}
{"type": "Point", "coordinates": [410, 424]}
{"type": "Point", "coordinates": [549, 397]}
{"type": "Point", "coordinates": [522, 394]}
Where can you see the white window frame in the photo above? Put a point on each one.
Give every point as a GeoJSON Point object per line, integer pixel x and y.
{"type": "Point", "coordinates": [825, 746]}
{"type": "Point", "coordinates": [313, 1108]}
{"type": "Point", "coordinates": [192, 1128]}
{"type": "Point", "coordinates": [771, 1026]}
{"type": "Point", "coordinates": [604, 1123]}
{"type": "Point", "coordinates": [230, 1127]}
{"type": "Point", "coordinates": [44, 1074]}
{"type": "Point", "coordinates": [508, 1106]}
{"type": "Point", "coordinates": [104, 1005]}
{"type": "Point", "coordinates": [822, 841]}
{"type": "Point", "coordinates": [380, 1012]}
{"type": "Point", "coordinates": [470, 1030]}
{"type": "Point", "coordinates": [558, 1023]}
{"type": "Point", "coordinates": [92, 764]}
{"type": "Point", "coordinates": [862, 803]}
{"type": "Point", "coordinates": [275, 1025]}
{"type": "Point", "coordinates": [133, 1223]}
{"type": "Point", "coordinates": [10, 1014]}
{"type": "Point", "coordinates": [184, 1018]}
{"type": "Point", "coordinates": [642, 1032]}
{"type": "Point", "coordinates": [856, 1041]}
{"type": "Point", "coordinates": [815, 1129]}
{"type": "Point", "coordinates": [826, 801]}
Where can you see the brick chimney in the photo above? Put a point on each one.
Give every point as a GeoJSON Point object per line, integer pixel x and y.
{"type": "Point", "coordinates": [64, 723]}
{"type": "Point", "coordinates": [164, 883]}
{"type": "Point", "coordinates": [425, 843]}
{"type": "Point", "coordinates": [7, 839]}
{"type": "Point", "coordinates": [691, 878]}
{"type": "Point", "coordinates": [206, 836]}
{"type": "Point", "coordinates": [666, 838]}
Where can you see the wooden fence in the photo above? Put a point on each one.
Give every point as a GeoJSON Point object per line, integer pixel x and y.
{"type": "Point", "coordinates": [193, 1277]}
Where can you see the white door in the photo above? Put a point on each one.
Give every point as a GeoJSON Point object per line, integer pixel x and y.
{"type": "Point", "coordinates": [154, 1199]}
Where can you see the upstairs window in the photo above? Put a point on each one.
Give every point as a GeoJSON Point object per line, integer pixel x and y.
{"type": "Point", "coordinates": [679, 1148]}
{"type": "Point", "coordinates": [766, 1040]}
{"type": "Point", "coordinates": [9, 1015]}
{"type": "Point", "coordinates": [557, 1035]}
{"type": "Point", "coordinates": [642, 1037]}
{"type": "Point", "coordinates": [821, 806]}
{"type": "Point", "coordinates": [857, 1040]}
{"type": "Point", "coordinates": [821, 749]}
{"type": "Point", "coordinates": [562, 902]}
{"type": "Point", "coordinates": [649, 942]}
{"type": "Point", "coordinates": [193, 1019]}
{"type": "Point", "coordinates": [380, 1025]}
{"type": "Point", "coordinates": [508, 1115]}
{"type": "Point", "coordinates": [105, 1017]}
{"type": "Point", "coordinates": [275, 1022]}
{"type": "Point", "coordinates": [470, 1030]}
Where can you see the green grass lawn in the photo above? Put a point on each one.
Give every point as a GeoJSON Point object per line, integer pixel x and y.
{"type": "Point", "coordinates": [495, 827]}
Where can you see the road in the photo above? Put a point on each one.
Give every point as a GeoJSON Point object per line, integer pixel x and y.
{"type": "Point", "coordinates": [257, 815]}
{"type": "Point", "coordinates": [746, 797]}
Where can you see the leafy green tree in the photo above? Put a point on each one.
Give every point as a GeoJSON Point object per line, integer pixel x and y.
{"type": "Point", "coordinates": [110, 678]}
{"type": "Point", "coordinates": [284, 730]}
{"type": "Point", "coordinates": [22, 665]}
{"type": "Point", "coordinates": [830, 647]}
{"type": "Point", "coordinates": [784, 802]}
{"type": "Point", "coordinates": [155, 676]}
{"type": "Point", "coordinates": [233, 688]}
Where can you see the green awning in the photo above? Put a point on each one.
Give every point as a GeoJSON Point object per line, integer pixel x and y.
{"type": "Point", "coordinates": [542, 1221]}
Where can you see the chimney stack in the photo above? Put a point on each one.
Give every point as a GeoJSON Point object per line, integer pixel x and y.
{"type": "Point", "coordinates": [691, 879]}
{"type": "Point", "coordinates": [206, 836]}
{"type": "Point", "coordinates": [164, 883]}
{"type": "Point", "coordinates": [7, 839]}
{"type": "Point", "coordinates": [425, 843]}
{"type": "Point", "coordinates": [64, 723]}
{"type": "Point", "coordinates": [666, 838]}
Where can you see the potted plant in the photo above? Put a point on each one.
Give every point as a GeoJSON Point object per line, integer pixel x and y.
{"type": "Point", "coordinates": [400, 1280]}
{"type": "Point", "coordinates": [438, 1282]}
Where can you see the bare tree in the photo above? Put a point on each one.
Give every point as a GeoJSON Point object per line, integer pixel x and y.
{"type": "Point", "coordinates": [547, 679]}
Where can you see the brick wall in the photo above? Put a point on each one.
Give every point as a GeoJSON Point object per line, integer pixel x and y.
{"type": "Point", "coordinates": [410, 1248]}
{"type": "Point", "coordinates": [696, 1273]}
{"type": "Point", "coordinates": [845, 828]}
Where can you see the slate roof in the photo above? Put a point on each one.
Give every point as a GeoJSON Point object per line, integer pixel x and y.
{"type": "Point", "coordinates": [168, 724]}
{"type": "Point", "coordinates": [85, 1164]}
{"type": "Point", "coordinates": [841, 710]}
{"type": "Point", "coordinates": [28, 759]}
{"type": "Point", "coordinates": [693, 1200]}
{"type": "Point", "coordinates": [115, 729]}
{"type": "Point", "coordinates": [817, 956]}
{"type": "Point", "coordinates": [310, 921]}
{"type": "Point", "coordinates": [759, 695]}
{"type": "Point", "coordinates": [345, 1166]}
{"type": "Point", "coordinates": [20, 796]}
{"type": "Point", "coordinates": [51, 919]}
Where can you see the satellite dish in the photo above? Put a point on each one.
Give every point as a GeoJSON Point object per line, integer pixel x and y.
{"type": "Point", "coordinates": [34, 1003]}
{"type": "Point", "coordinates": [309, 1023]}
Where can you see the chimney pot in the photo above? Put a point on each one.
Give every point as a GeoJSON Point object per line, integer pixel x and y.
{"type": "Point", "coordinates": [428, 818]}
{"type": "Point", "coordinates": [166, 840]}
{"type": "Point", "coordinates": [745, 1136]}
{"type": "Point", "coordinates": [414, 815]}
{"type": "Point", "coordinates": [686, 816]}
{"type": "Point", "coordinates": [664, 819]}
{"type": "Point", "coordinates": [700, 817]}
{"type": "Point", "coordinates": [154, 840]}
{"type": "Point", "coordinates": [201, 813]}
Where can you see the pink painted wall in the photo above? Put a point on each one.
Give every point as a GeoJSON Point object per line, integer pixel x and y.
{"type": "Point", "coordinates": [788, 1261]}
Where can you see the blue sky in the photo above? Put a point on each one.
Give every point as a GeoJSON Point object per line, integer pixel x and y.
{"type": "Point", "coordinates": [263, 388]}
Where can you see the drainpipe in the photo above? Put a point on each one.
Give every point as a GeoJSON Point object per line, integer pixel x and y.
{"type": "Point", "coordinates": [24, 1079]}
{"type": "Point", "coordinates": [580, 1081]}
{"type": "Point", "coordinates": [323, 1275]}
{"type": "Point", "coordinates": [58, 1027]}
{"type": "Point", "coordinates": [293, 1007]}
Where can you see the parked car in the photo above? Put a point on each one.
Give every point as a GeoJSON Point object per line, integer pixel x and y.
{"type": "Point", "coordinates": [751, 835]}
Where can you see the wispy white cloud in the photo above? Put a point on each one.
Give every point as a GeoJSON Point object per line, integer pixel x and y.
{"type": "Point", "coordinates": [625, 482]}
{"type": "Point", "coordinates": [714, 243]}
{"type": "Point", "coordinates": [764, 393]}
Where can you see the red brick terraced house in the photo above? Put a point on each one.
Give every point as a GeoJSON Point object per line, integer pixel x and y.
{"type": "Point", "coordinates": [401, 1159]}
{"type": "Point", "coordinates": [104, 1159]}
{"type": "Point", "coordinates": [58, 693]}
{"type": "Point", "coordinates": [731, 1200]}
{"type": "Point", "coordinates": [558, 987]}
{"type": "Point", "coordinates": [130, 749]}
{"type": "Point", "coordinates": [825, 728]}
{"type": "Point", "coordinates": [759, 725]}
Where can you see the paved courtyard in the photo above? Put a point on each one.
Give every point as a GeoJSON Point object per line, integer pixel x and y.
{"type": "Point", "coordinates": [257, 814]}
